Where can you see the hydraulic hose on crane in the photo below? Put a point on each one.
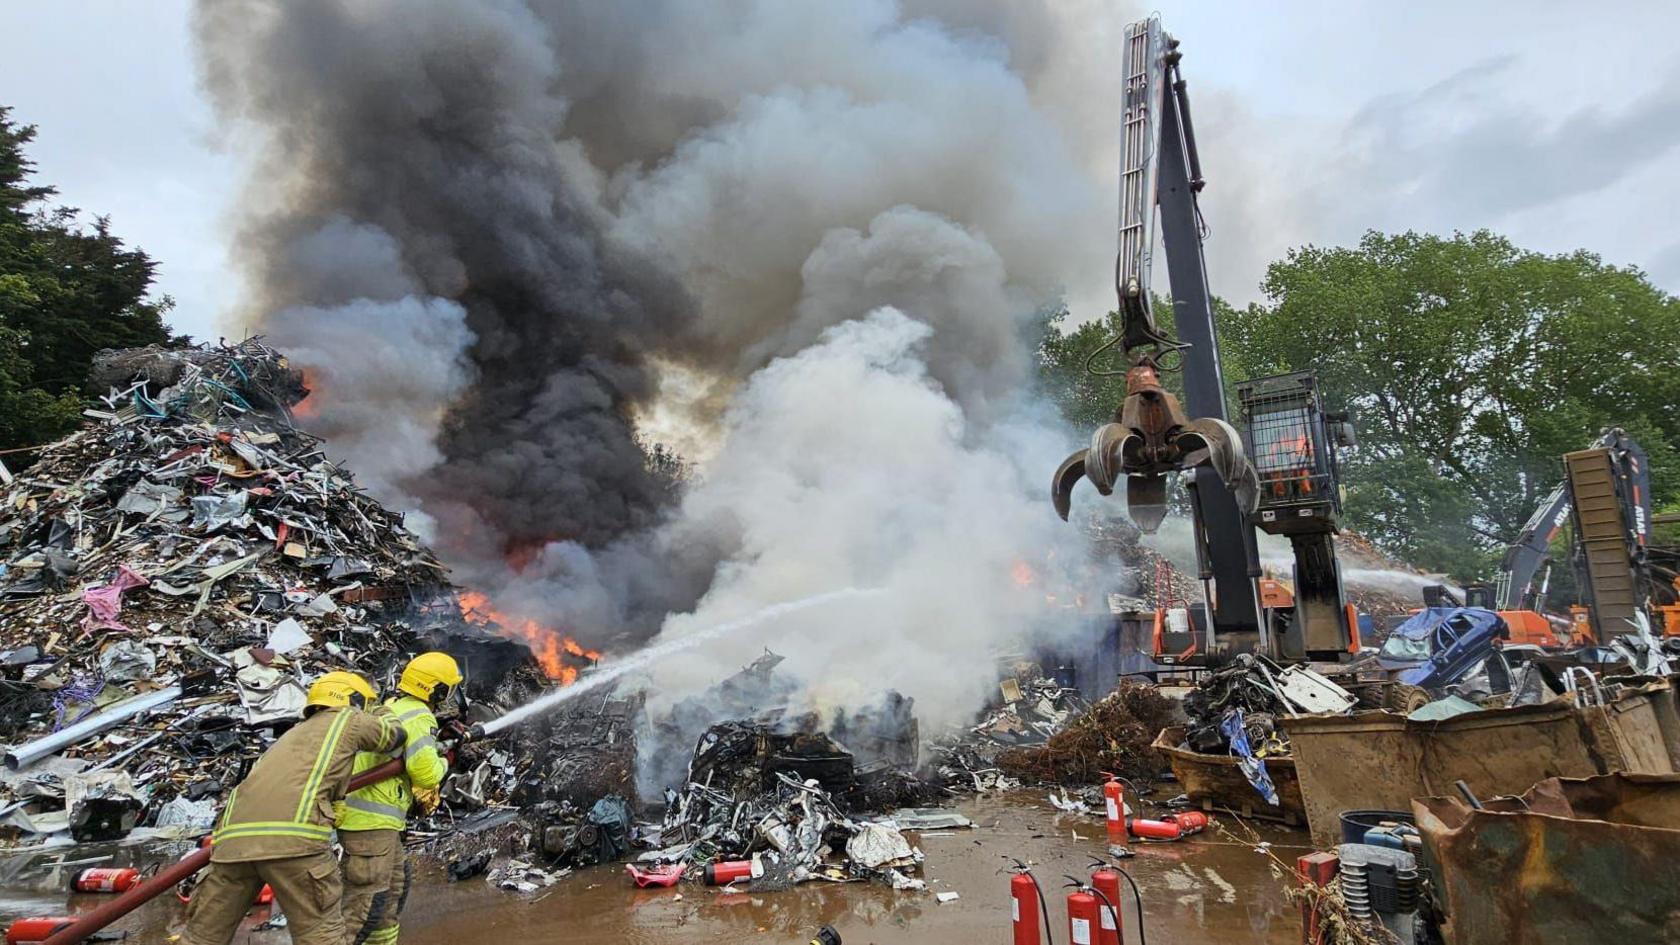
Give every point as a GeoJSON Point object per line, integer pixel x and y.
{"type": "Point", "coordinates": [166, 878]}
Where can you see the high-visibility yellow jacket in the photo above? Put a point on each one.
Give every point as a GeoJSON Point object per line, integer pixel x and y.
{"type": "Point", "coordinates": [384, 806]}
{"type": "Point", "coordinates": [284, 807]}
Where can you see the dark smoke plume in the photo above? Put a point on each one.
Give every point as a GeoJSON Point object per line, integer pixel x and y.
{"type": "Point", "coordinates": [421, 207]}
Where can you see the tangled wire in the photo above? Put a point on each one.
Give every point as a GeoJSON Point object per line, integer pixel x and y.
{"type": "Point", "coordinates": [1113, 737]}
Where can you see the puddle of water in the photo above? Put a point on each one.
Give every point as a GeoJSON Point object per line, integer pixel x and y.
{"type": "Point", "coordinates": [1200, 891]}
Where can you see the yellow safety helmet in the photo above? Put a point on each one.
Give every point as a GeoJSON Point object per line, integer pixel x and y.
{"type": "Point", "coordinates": [430, 677]}
{"type": "Point", "coordinates": [338, 689]}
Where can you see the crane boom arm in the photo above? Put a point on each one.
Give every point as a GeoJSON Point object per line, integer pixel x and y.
{"type": "Point", "coordinates": [1160, 155]}
{"type": "Point", "coordinates": [1515, 587]}
{"type": "Point", "coordinates": [1151, 438]}
{"type": "Point", "coordinates": [1154, 123]}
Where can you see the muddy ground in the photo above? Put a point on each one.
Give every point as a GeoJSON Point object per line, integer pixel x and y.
{"type": "Point", "coordinates": [1206, 889]}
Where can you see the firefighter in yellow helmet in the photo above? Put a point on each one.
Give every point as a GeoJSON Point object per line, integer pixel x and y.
{"type": "Point", "coordinates": [277, 825]}
{"type": "Point", "coordinates": [370, 825]}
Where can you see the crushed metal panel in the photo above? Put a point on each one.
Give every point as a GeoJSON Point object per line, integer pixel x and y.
{"type": "Point", "coordinates": [1313, 692]}
{"type": "Point", "coordinates": [1572, 860]}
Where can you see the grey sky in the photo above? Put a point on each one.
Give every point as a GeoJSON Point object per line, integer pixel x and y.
{"type": "Point", "coordinates": [1558, 127]}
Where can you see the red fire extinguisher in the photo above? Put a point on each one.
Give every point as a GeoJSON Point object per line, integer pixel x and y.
{"type": "Point", "coordinates": [1107, 884]}
{"type": "Point", "coordinates": [1025, 904]}
{"type": "Point", "coordinates": [105, 880]}
{"type": "Point", "coordinates": [1153, 829]}
{"type": "Point", "coordinates": [724, 872]}
{"type": "Point", "coordinates": [1114, 802]}
{"type": "Point", "coordinates": [1193, 821]}
{"type": "Point", "coordinates": [35, 929]}
{"type": "Point", "coordinates": [1084, 918]}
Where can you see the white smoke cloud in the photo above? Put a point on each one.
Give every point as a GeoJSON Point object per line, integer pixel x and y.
{"type": "Point", "coordinates": [385, 400]}
{"type": "Point", "coordinates": [385, 358]}
{"type": "Point", "coordinates": [846, 465]}
{"type": "Point", "coordinates": [891, 115]}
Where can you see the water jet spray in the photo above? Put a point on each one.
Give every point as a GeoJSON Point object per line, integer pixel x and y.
{"type": "Point", "coordinates": [654, 654]}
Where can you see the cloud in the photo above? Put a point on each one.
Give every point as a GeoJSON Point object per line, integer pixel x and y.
{"type": "Point", "coordinates": [1463, 145]}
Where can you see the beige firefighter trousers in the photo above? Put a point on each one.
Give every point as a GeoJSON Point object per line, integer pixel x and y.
{"type": "Point", "coordinates": [307, 889]}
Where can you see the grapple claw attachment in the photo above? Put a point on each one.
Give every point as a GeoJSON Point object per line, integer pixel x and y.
{"type": "Point", "coordinates": [1218, 444]}
{"type": "Point", "coordinates": [1067, 475]}
{"type": "Point", "coordinates": [1146, 501]}
{"type": "Point", "coordinates": [1149, 439]}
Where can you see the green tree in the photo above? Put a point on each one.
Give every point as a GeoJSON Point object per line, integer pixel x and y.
{"type": "Point", "coordinates": [1086, 401]}
{"type": "Point", "coordinates": [66, 291]}
{"type": "Point", "coordinates": [1472, 366]}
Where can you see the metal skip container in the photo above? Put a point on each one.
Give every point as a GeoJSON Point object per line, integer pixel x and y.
{"type": "Point", "coordinates": [1380, 760]}
{"type": "Point", "coordinates": [1572, 860]}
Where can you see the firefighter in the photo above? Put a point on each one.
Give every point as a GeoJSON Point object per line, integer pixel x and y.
{"type": "Point", "coordinates": [277, 826]}
{"type": "Point", "coordinates": [370, 824]}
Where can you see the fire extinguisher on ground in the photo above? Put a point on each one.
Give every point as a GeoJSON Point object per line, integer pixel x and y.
{"type": "Point", "coordinates": [1114, 804]}
{"type": "Point", "coordinates": [1026, 906]}
{"type": "Point", "coordinates": [1106, 881]}
{"type": "Point", "coordinates": [1098, 904]}
{"type": "Point", "coordinates": [104, 880]}
{"type": "Point", "coordinates": [1087, 907]}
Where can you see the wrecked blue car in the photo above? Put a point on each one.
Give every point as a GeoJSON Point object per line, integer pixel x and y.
{"type": "Point", "coordinates": [1438, 646]}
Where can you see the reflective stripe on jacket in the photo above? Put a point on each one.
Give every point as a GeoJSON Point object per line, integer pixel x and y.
{"type": "Point", "coordinates": [284, 807]}
{"type": "Point", "coordinates": [384, 806]}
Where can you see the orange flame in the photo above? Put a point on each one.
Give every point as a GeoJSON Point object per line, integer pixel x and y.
{"type": "Point", "coordinates": [1022, 573]}
{"type": "Point", "coordinates": [549, 647]}
{"type": "Point", "coordinates": [310, 406]}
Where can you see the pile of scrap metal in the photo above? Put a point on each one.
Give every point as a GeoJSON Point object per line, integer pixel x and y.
{"type": "Point", "coordinates": [1031, 709]}
{"type": "Point", "coordinates": [571, 771]}
{"type": "Point", "coordinates": [783, 802]}
{"type": "Point", "coordinates": [1255, 692]}
{"type": "Point", "coordinates": [171, 576]}
{"type": "Point", "coordinates": [583, 751]}
{"type": "Point", "coordinates": [1235, 713]}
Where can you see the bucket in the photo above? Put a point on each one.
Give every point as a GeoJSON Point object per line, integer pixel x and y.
{"type": "Point", "coordinates": [1356, 822]}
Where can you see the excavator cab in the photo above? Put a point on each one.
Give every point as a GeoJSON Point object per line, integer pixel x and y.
{"type": "Point", "coordinates": [1293, 443]}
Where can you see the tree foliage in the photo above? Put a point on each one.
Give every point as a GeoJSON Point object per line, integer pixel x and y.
{"type": "Point", "coordinates": [66, 291]}
{"type": "Point", "coordinates": [1471, 367]}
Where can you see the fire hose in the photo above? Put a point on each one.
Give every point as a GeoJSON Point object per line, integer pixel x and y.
{"type": "Point", "coordinates": [166, 878]}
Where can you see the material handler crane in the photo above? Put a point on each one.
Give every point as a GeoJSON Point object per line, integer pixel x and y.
{"type": "Point", "coordinates": [1151, 437]}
